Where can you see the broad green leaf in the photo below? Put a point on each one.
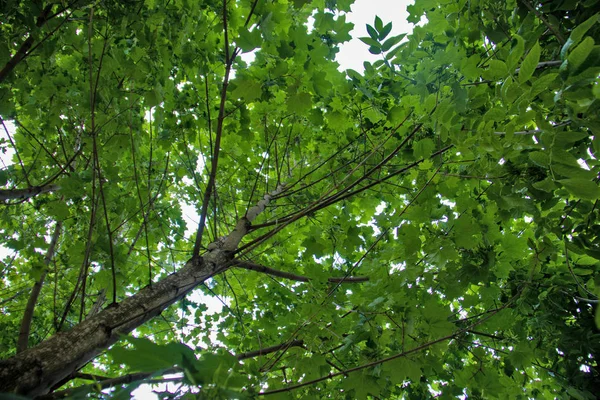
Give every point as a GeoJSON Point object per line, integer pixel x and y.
{"type": "Point", "coordinates": [248, 40]}
{"type": "Point", "coordinates": [582, 188]}
{"type": "Point", "coordinates": [247, 89]}
{"type": "Point", "coordinates": [580, 30]}
{"type": "Point", "coordinates": [580, 53]}
{"type": "Point", "coordinates": [148, 356]}
{"type": "Point", "coordinates": [530, 63]}
{"type": "Point", "coordinates": [299, 103]}
{"type": "Point", "coordinates": [396, 114]}
{"type": "Point", "coordinates": [497, 69]}
{"type": "Point", "coordinates": [516, 52]}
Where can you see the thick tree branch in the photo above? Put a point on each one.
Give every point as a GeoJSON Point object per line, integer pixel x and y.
{"type": "Point", "coordinates": [26, 45]}
{"type": "Point", "coordinates": [38, 369]}
{"type": "Point", "coordinates": [27, 193]}
{"type": "Point", "coordinates": [299, 278]}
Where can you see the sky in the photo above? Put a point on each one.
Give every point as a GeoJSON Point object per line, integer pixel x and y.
{"type": "Point", "coordinates": [353, 53]}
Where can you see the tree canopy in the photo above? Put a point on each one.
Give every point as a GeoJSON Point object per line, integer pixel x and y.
{"type": "Point", "coordinates": [426, 228]}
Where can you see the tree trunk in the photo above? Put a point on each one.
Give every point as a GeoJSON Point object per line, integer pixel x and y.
{"type": "Point", "coordinates": [27, 193]}
{"type": "Point", "coordinates": [36, 370]}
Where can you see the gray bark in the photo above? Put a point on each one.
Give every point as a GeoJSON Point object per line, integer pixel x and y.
{"type": "Point", "coordinates": [36, 370]}
{"type": "Point", "coordinates": [27, 193]}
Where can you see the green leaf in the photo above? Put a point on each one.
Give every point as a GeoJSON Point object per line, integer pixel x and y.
{"type": "Point", "coordinates": [300, 3]}
{"type": "Point", "coordinates": [580, 53]}
{"type": "Point", "coordinates": [410, 239]}
{"type": "Point", "coordinates": [7, 108]}
{"type": "Point", "coordinates": [396, 114]}
{"type": "Point", "coordinates": [385, 31]}
{"type": "Point", "coordinates": [372, 32]}
{"type": "Point", "coordinates": [497, 69]}
{"type": "Point", "coordinates": [378, 24]}
{"type": "Point", "coordinates": [540, 158]}
{"type": "Point", "coordinates": [516, 52]}
{"type": "Point", "coordinates": [580, 30]}
{"type": "Point", "coordinates": [248, 40]}
{"type": "Point", "coordinates": [247, 89]}
{"type": "Point", "coordinates": [581, 188]}
{"type": "Point", "coordinates": [153, 98]}
{"type": "Point", "coordinates": [391, 42]}
{"type": "Point", "coordinates": [542, 84]}
{"type": "Point", "coordinates": [375, 50]}
{"type": "Point", "coordinates": [299, 103]}
{"type": "Point", "coordinates": [147, 356]}
{"type": "Point", "coordinates": [529, 64]}
{"type": "Point", "coordinates": [369, 41]}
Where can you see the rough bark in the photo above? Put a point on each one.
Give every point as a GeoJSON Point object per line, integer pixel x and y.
{"type": "Point", "coordinates": [36, 370]}
{"type": "Point", "coordinates": [27, 193]}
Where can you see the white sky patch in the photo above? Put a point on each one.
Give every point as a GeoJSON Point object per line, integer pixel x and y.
{"type": "Point", "coordinates": [353, 53]}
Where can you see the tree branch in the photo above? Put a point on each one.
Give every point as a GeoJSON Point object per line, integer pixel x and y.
{"type": "Point", "coordinates": [538, 14]}
{"type": "Point", "coordinates": [390, 358]}
{"type": "Point", "coordinates": [272, 349]}
{"type": "Point", "coordinates": [23, 341]}
{"type": "Point", "coordinates": [27, 193]}
{"type": "Point", "coordinates": [103, 382]}
{"type": "Point", "coordinates": [36, 371]}
{"type": "Point", "coordinates": [215, 157]}
{"type": "Point", "coordinates": [22, 52]}
{"type": "Point", "coordinates": [287, 275]}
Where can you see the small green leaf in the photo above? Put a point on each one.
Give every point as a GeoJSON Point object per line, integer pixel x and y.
{"type": "Point", "coordinates": [369, 41]}
{"type": "Point", "coordinates": [385, 31]}
{"type": "Point", "coordinates": [374, 50]}
{"type": "Point", "coordinates": [530, 63]}
{"type": "Point", "coordinates": [372, 32]}
{"type": "Point", "coordinates": [389, 43]}
{"type": "Point", "coordinates": [378, 24]}
{"type": "Point", "coordinates": [581, 188]}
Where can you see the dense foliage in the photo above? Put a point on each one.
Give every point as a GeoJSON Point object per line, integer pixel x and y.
{"type": "Point", "coordinates": [458, 176]}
